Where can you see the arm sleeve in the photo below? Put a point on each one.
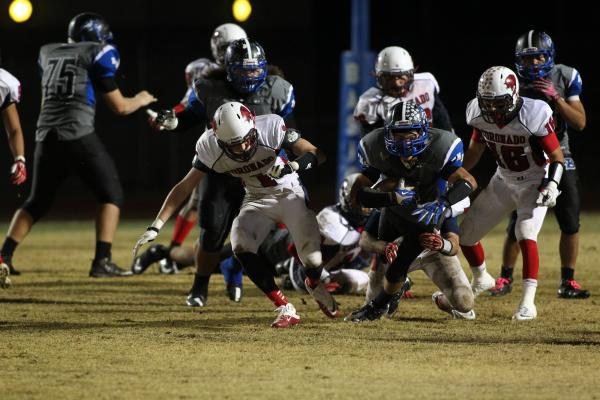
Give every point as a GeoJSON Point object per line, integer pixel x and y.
{"type": "Point", "coordinates": [440, 116]}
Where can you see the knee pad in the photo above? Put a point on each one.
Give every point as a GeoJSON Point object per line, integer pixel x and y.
{"type": "Point", "coordinates": [462, 298]}
{"type": "Point", "coordinates": [213, 241]}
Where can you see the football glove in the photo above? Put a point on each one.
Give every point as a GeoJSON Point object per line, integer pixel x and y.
{"type": "Point", "coordinates": [279, 170]}
{"type": "Point", "coordinates": [430, 213]}
{"type": "Point", "coordinates": [431, 241]}
{"type": "Point", "coordinates": [148, 236]}
{"type": "Point", "coordinates": [546, 87]}
{"type": "Point", "coordinates": [162, 120]}
{"type": "Point", "coordinates": [548, 194]}
{"type": "Point", "coordinates": [391, 252]}
{"type": "Point", "coordinates": [405, 196]}
{"type": "Point", "coordinates": [18, 171]}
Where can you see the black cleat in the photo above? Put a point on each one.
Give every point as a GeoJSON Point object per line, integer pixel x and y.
{"type": "Point", "coordinates": [235, 292]}
{"type": "Point", "coordinates": [12, 269]}
{"type": "Point", "coordinates": [502, 288]}
{"type": "Point", "coordinates": [195, 299]}
{"type": "Point", "coordinates": [367, 312]}
{"type": "Point", "coordinates": [153, 254]}
{"type": "Point", "coordinates": [395, 301]}
{"type": "Point", "coordinates": [571, 289]}
{"type": "Point", "coordinates": [105, 268]}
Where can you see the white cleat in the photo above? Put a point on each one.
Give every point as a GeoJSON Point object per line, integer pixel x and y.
{"type": "Point", "coordinates": [4, 273]}
{"type": "Point", "coordinates": [525, 312]}
{"type": "Point", "coordinates": [482, 283]}
{"type": "Point", "coordinates": [324, 299]}
{"type": "Point", "coordinates": [442, 303]}
{"type": "Point", "coordinates": [286, 316]}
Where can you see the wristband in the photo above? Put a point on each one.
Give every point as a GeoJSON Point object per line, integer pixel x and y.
{"type": "Point", "coordinates": [19, 158]}
{"type": "Point", "coordinates": [156, 225]}
{"type": "Point", "coordinates": [446, 247]}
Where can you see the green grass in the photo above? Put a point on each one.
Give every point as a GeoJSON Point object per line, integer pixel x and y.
{"type": "Point", "coordinates": [64, 335]}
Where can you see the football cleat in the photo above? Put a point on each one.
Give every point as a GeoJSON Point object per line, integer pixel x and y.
{"type": "Point", "coordinates": [233, 274]}
{"type": "Point", "coordinates": [286, 316]}
{"type": "Point", "coordinates": [442, 303]}
{"type": "Point", "coordinates": [571, 289]}
{"type": "Point", "coordinates": [154, 253]}
{"type": "Point", "coordinates": [525, 312]}
{"type": "Point", "coordinates": [502, 288]}
{"type": "Point", "coordinates": [195, 299]}
{"type": "Point", "coordinates": [323, 298]}
{"type": "Point", "coordinates": [12, 269]}
{"type": "Point", "coordinates": [234, 292]}
{"type": "Point", "coordinates": [4, 273]}
{"type": "Point", "coordinates": [105, 268]}
{"type": "Point", "coordinates": [368, 312]}
{"type": "Point", "coordinates": [395, 301]}
{"type": "Point", "coordinates": [482, 283]}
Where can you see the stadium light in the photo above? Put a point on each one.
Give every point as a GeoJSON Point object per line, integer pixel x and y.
{"type": "Point", "coordinates": [241, 10]}
{"type": "Point", "coordinates": [20, 10]}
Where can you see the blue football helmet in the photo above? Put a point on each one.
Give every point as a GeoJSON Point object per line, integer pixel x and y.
{"type": "Point", "coordinates": [89, 27]}
{"type": "Point", "coordinates": [404, 117]}
{"type": "Point", "coordinates": [534, 43]}
{"type": "Point", "coordinates": [246, 65]}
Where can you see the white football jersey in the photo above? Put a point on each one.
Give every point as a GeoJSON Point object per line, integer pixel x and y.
{"type": "Point", "coordinates": [10, 88]}
{"type": "Point", "coordinates": [373, 106]}
{"type": "Point", "coordinates": [335, 229]}
{"type": "Point", "coordinates": [254, 172]}
{"type": "Point", "coordinates": [516, 154]}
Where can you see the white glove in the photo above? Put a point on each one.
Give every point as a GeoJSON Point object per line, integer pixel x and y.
{"type": "Point", "coordinates": [279, 170]}
{"type": "Point", "coordinates": [548, 194]}
{"type": "Point", "coordinates": [148, 236]}
{"type": "Point", "coordinates": [162, 120]}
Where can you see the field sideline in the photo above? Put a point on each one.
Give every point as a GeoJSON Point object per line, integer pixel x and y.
{"type": "Point", "coordinates": [67, 336]}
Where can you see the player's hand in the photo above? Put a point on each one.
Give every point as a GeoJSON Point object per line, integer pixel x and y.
{"type": "Point", "coordinates": [431, 241]}
{"type": "Point", "coordinates": [391, 252]}
{"type": "Point", "coordinates": [148, 236]}
{"type": "Point", "coordinates": [162, 120]}
{"type": "Point", "coordinates": [18, 171]}
{"type": "Point", "coordinates": [279, 170]}
{"type": "Point", "coordinates": [546, 87]}
{"type": "Point", "coordinates": [548, 194]}
{"type": "Point", "coordinates": [430, 213]}
{"type": "Point", "coordinates": [405, 196]}
{"type": "Point", "coordinates": [144, 98]}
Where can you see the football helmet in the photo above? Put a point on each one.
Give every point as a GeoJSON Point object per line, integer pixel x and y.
{"type": "Point", "coordinates": [534, 43]}
{"type": "Point", "coordinates": [395, 71]}
{"type": "Point", "coordinates": [357, 217]}
{"type": "Point", "coordinates": [406, 130]}
{"type": "Point", "coordinates": [246, 65]}
{"type": "Point", "coordinates": [235, 128]}
{"type": "Point", "coordinates": [221, 37]}
{"type": "Point", "coordinates": [498, 95]}
{"type": "Point", "coordinates": [89, 27]}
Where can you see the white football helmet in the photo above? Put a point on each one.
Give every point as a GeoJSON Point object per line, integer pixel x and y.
{"type": "Point", "coordinates": [498, 95]}
{"type": "Point", "coordinates": [394, 62]}
{"type": "Point", "coordinates": [221, 37]}
{"type": "Point", "coordinates": [235, 128]}
{"type": "Point", "coordinates": [356, 217]}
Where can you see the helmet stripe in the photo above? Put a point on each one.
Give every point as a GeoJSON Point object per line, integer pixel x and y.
{"type": "Point", "coordinates": [248, 48]}
{"type": "Point", "coordinates": [530, 39]}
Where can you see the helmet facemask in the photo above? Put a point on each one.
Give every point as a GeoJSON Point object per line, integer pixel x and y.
{"type": "Point", "coordinates": [246, 65]}
{"type": "Point", "coordinates": [243, 149]}
{"type": "Point", "coordinates": [534, 55]}
{"type": "Point", "coordinates": [396, 84]}
{"type": "Point", "coordinates": [498, 110]}
{"type": "Point", "coordinates": [407, 130]}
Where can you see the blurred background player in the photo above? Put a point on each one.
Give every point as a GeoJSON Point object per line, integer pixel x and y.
{"type": "Point", "coordinates": [397, 81]}
{"type": "Point", "coordinates": [519, 132]}
{"type": "Point", "coordinates": [560, 87]}
{"type": "Point", "coordinates": [424, 166]}
{"type": "Point", "coordinates": [65, 138]}
{"type": "Point", "coordinates": [10, 95]}
{"type": "Point", "coordinates": [253, 149]}
{"type": "Point", "coordinates": [245, 79]}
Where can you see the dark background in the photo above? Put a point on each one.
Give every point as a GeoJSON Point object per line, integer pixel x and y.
{"type": "Point", "coordinates": [456, 41]}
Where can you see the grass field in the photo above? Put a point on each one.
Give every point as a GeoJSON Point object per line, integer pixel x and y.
{"type": "Point", "coordinates": [66, 336]}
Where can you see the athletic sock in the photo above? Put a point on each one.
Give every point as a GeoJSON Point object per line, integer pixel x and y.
{"type": "Point", "coordinates": [181, 230]}
{"type": "Point", "coordinates": [201, 285]}
{"type": "Point", "coordinates": [277, 297]}
{"type": "Point", "coordinates": [507, 273]}
{"type": "Point", "coordinates": [103, 250]}
{"type": "Point", "coordinates": [567, 273]}
{"type": "Point", "coordinates": [8, 248]}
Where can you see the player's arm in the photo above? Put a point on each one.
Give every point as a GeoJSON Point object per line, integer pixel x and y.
{"type": "Point", "coordinates": [178, 194]}
{"type": "Point", "coordinates": [14, 132]}
{"type": "Point", "coordinates": [446, 242]}
{"type": "Point", "coordinates": [308, 156]}
{"type": "Point", "coordinates": [551, 146]}
{"type": "Point", "coordinates": [475, 150]}
{"type": "Point", "coordinates": [571, 108]}
{"type": "Point", "coordinates": [122, 105]}
{"type": "Point", "coordinates": [179, 118]}
{"type": "Point", "coordinates": [573, 112]}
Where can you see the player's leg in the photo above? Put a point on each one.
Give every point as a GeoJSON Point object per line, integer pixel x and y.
{"type": "Point", "coordinates": [567, 215]}
{"type": "Point", "coordinates": [529, 223]}
{"type": "Point", "coordinates": [302, 224]}
{"type": "Point", "coordinates": [488, 209]}
{"type": "Point", "coordinates": [510, 252]}
{"type": "Point", "coordinates": [98, 171]}
{"type": "Point", "coordinates": [249, 230]}
{"type": "Point", "coordinates": [49, 171]}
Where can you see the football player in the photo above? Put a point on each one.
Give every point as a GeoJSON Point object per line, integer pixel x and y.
{"type": "Point", "coordinates": [250, 148]}
{"type": "Point", "coordinates": [397, 80]}
{"type": "Point", "coordinates": [559, 86]}
{"type": "Point", "coordinates": [10, 95]}
{"type": "Point", "coordinates": [245, 78]}
{"type": "Point", "coordinates": [425, 167]}
{"type": "Point", "coordinates": [519, 131]}
{"type": "Point", "coordinates": [66, 141]}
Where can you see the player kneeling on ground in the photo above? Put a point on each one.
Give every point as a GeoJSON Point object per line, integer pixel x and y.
{"type": "Point", "coordinates": [250, 148]}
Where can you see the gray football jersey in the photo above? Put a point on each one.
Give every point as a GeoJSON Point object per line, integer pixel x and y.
{"type": "Point", "coordinates": [424, 176]}
{"type": "Point", "coordinates": [275, 96]}
{"type": "Point", "coordinates": [567, 82]}
{"type": "Point", "coordinates": [69, 71]}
